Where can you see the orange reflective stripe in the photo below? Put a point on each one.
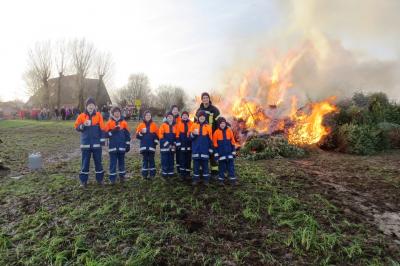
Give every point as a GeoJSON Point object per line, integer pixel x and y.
{"type": "Point", "coordinates": [80, 120]}
{"type": "Point", "coordinates": [215, 138]}
{"type": "Point", "coordinates": [232, 137]}
{"type": "Point", "coordinates": [111, 124]}
{"type": "Point", "coordinates": [124, 125]}
{"type": "Point", "coordinates": [164, 128]}
{"type": "Point", "coordinates": [140, 127]}
{"type": "Point", "coordinates": [95, 119]}
{"type": "Point", "coordinates": [153, 128]}
{"type": "Point", "coordinates": [161, 132]}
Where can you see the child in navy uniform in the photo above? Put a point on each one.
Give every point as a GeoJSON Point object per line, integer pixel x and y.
{"type": "Point", "coordinates": [225, 151]}
{"type": "Point", "coordinates": [167, 136]}
{"type": "Point", "coordinates": [201, 135]}
{"type": "Point", "coordinates": [117, 131]}
{"type": "Point", "coordinates": [177, 120]}
{"type": "Point", "coordinates": [184, 145]}
{"type": "Point", "coordinates": [146, 132]}
{"type": "Point", "coordinates": [90, 124]}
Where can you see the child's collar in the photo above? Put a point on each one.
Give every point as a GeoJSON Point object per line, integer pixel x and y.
{"type": "Point", "coordinates": [116, 120]}
{"type": "Point", "coordinates": [93, 113]}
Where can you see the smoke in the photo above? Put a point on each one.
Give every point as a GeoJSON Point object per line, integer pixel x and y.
{"type": "Point", "coordinates": [345, 46]}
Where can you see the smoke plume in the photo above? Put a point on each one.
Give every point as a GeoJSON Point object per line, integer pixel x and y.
{"type": "Point", "coordinates": [340, 47]}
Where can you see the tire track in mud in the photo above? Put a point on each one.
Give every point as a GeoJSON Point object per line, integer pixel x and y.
{"type": "Point", "coordinates": [384, 215]}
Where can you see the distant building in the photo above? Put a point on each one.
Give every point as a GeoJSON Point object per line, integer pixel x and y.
{"type": "Point", "coordinates": [69, 92]}
{"type": "Point", "coordinates": [10, 109]}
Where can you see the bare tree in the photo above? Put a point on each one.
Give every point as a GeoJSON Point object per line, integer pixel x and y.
{"type": "Point", "coordinates": [40, 65]}
{"type": "Point", "coordinates": [82, 53]}
{"type": "Point", "coordinates": [167, 95]}
{"type": "Point", "coordinates": [33, 82]}
{"type": "Point", "coordinates": [138, 88]}
{"type": "Point", "coordinates": [103, 67]}
{"type": "Point", "coordinates": [61, 60]}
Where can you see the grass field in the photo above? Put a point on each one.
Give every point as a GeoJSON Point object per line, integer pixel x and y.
{"type": "Point", "coordinates": [326, 209]}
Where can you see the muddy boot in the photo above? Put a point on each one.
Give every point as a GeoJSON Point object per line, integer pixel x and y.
{"type": "Point", "coordinates": [122, 180]}
{"type": "Point", "coordinates": [101, 183]}
{"type": "Point", "coordinates": [234, 182]}
{"type": "Point", "coordinates": [206, 183]}
{"type": "Point", "coordinates": [195, 183]}
{"type": "Point", "coordinates": [83, 185]}
{"type": "Point", "coordinates": [221, 183]}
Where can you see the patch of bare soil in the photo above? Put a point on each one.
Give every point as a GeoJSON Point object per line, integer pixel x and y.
{"type": "Point", "coordinates": [368, 188]}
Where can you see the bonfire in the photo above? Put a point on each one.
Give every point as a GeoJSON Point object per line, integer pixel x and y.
{"type": "Point", "coordinates": [266, 103]}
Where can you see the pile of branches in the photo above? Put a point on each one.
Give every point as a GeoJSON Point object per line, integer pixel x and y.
{"type": "Point", "coordinates": [270, 147]}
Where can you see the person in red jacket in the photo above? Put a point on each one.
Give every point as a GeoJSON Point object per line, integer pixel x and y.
{"type": "Point", "coordinates": [167, 136]}
{"type": "Point", "coordinates": [225, 151]}
{"type": "Point", "coordinates": [117, 131]}
{"type": "Point", "coordinates": [184, 145]}
{"type": "Point", "coordinates": [90, 124]}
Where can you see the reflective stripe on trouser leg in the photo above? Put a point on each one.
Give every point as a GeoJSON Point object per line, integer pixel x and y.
{"type": "Point", "coordinates": [196, 169]}
{"type": "Point", "coordinates": [231, 169]}
{"type": "Point", "coordinates": [152, 164]}
{"type": "Point", "coordinates": [171, 162]}
{"type": "Point", "coordinates": [113, 167]}
{"type": "Point", "coordinates": [98, 165]}
{"type": "Point", "coordinates": [181, 166]}
{"type": "Point", "coordinates": [206, 172]}
{"type": "Point", "coordinates": [185, 159]}
{"type": "Point", "coordinates": [213, 163]}
{"type": "Point", "coordinates": [188, 161]}
{"type": "Point", "coordinates": [145, 164]}
{"type": "Point", "coordinates": [84, 173]}
{"type": "Point", "coordinates": [222, 167]}
{"type": "Point", "coordinates": [177, 161]}
{"type": "Point", "coordinates": [164, 163]}
{"type": "Point", "coordinates": [121, 164]}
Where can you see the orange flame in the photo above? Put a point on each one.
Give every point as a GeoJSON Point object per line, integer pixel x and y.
{"type": "Point", "coordinates": [267, 104]}
{"type": "Point", "coordinates": [308, 128]}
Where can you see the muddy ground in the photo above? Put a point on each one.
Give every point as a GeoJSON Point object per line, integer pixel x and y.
{"type": "Point", "coordinates": [367, 189]}
{"type": "Point", "coordinates": [327, 208]}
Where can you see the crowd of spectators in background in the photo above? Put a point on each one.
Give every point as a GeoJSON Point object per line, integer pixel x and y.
{"type": "Point", "coordinates": [69, 113]}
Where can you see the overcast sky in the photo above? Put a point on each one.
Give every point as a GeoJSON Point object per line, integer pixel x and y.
{"type": "Point", "coordinates": [192, 44]}
{"type": "Point", "coordinates": [184, 43]}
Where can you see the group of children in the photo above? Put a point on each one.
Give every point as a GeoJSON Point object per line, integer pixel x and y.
{"type": "Point", "coordinates": [180, 140]}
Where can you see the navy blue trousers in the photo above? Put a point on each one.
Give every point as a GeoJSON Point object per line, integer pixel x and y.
{"type": "Point", "coordinates": [226, 166]}
{"type": "Point", "coordinates": [167, 164]}
{"type": "Point", "coordinates": [84, 174]}
{"type": "Point", "coordinates": [117, 158]}
{"type": "Point", "coordinates": [203, 164]}
{"type": "Point", "coordinates": [185, 159]}
{"type": "Point", "coordinates": [177, 161]}
{"type": "Point", "coordinates": [148, 165]}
